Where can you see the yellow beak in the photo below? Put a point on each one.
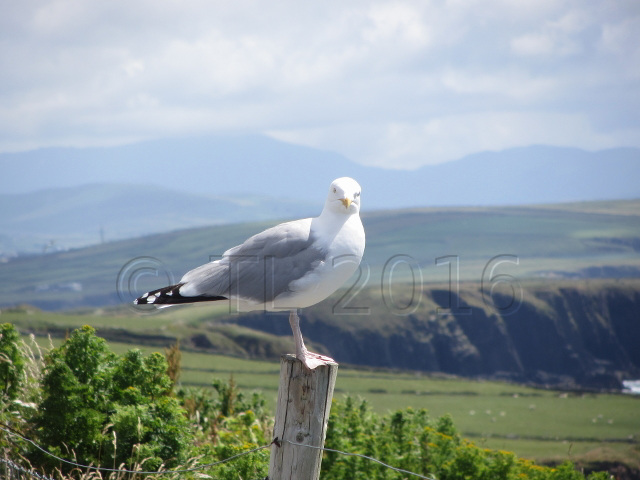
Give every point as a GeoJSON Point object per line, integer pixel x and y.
{"type": "Point", "coordinates": [346, 202]}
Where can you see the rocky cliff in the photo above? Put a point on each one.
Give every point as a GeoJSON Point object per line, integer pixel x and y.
{"type": "Point", "coordinates": [561, 333]}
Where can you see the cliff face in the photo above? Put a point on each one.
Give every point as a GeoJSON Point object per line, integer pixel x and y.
{"type": "Point", "coordinates": [585, 334]}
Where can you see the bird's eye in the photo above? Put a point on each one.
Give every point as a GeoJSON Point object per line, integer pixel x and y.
{"type": "Point", "coordinates": [356, 195]}
{"type": "Point", "coordinates": [334, 190]}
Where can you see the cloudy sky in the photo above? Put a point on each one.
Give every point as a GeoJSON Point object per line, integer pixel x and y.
{"type": "Point", "coordinates": [397, 84]}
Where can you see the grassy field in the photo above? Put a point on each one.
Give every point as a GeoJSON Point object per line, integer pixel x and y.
{"type": "Point", "coordinates": [541, 424]}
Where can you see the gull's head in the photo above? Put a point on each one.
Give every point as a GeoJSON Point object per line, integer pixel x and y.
{"type": "Point", "coordinates": [344, 196]}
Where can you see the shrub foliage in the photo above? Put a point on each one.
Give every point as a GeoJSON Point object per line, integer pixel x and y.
{"type": "Point", "coordinates": [11, 362]}
{"type": "Point", "coordinates": [108, 410]}
{"type": "Point", "coordinates": [409, 439]}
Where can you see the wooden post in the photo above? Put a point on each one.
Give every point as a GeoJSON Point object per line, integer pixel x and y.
{"type": "Point", "coordinates": [302, 413]}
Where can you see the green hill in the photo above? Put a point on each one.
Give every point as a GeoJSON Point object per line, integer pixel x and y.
{"type": "Point", "coordinates": [583, 240]}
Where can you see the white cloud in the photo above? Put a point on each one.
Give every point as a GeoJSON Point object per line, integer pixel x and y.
{"type": "Point", "coordinates": [511, 83]}
{"type": "Point", "coordinates": [533, 44]}
{"type": "Point", "coordinates": [560, 37]}
{"type": "Point", "coordinates": [386, 83]}
{"type": "Point", "coordinates": [621, 41]}
{"type": "Point", "coordinates": [396, 22]}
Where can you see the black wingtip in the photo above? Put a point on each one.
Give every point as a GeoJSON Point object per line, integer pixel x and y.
{"type": "Point", "coordinates": [171, 296]}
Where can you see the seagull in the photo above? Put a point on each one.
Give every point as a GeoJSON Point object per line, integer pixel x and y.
{"type": "Point", "coordinates": [285, 268]}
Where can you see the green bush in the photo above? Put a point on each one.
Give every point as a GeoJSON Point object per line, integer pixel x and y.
{"type": "Point", "coordinates": [108, 410]}
{"type": "Point", "coordinates": [11, 363]}
{"type": "Point", "coordinates": [410, 440]}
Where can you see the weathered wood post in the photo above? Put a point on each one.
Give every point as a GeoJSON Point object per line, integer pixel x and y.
{"type": "Point", "coordinates": [302, 413]}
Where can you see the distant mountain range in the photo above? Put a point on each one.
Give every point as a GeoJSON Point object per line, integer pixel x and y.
{"type": "Point", "coordinates": [57, 219]}
{"type": "Point", "coordinates": [80, 196]}
{"type": "Point", "coordinates": [259, 165]}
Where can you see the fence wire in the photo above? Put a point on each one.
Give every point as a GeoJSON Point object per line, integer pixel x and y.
{"type": "Point", "coordinates": [13, 471]}
{"type": "Point", "coordinates": [11, 467]}
{"type": "Point", "coordinates": [123, 470]}
{"type": "Point", "coordinates": [375, 460]}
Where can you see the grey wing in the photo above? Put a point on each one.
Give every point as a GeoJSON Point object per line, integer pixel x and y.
{"type": "Point", "coordinates": [261, 268]}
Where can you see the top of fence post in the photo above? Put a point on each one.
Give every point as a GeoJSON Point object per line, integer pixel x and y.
{"type": "Point", "coordinates": [302, 413]}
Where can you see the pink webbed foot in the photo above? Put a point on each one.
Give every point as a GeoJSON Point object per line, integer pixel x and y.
{"type": "Point", "coordinates": [312, 360]}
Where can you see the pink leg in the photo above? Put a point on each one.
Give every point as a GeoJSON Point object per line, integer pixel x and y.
{"type": "Point", "coordinates": [309, 359]}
